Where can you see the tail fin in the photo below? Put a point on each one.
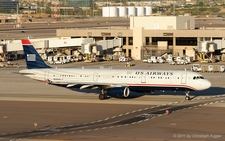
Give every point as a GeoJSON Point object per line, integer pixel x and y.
{"type": "Point", "coordinates": [33, 59]}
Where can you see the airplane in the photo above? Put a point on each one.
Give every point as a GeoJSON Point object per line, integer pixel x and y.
{"type": "Point", "coordinates": [112, 82]}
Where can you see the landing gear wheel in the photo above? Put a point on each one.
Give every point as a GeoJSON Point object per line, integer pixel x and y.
{"type": "Point", "coordinates": [101, 96]}
{"type": "Point", "coordinates": [187, 98]}
{"type": "Point", "coordinates": [49, 82]}
{"type": "Point", "coordinates": [187, 95]}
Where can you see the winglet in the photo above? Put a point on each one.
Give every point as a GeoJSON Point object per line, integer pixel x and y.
{"type": "Point", "coordinates": [33, 59]}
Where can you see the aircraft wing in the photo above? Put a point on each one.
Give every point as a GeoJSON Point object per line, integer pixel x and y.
{"type": "Point", "coordinates": [94, 86]}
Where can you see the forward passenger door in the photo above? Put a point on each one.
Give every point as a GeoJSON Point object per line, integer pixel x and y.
{"type": "Point", "coordinates": [143, 78]}
{"type": "Point", "coordinates": [183, 78]}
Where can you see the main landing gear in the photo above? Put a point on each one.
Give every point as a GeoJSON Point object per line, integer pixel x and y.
{"type": "Point", "coordinates": [49, 81]}
{"type": "Point", "coordinates": [187, 97]}
{"type": "Point", "coordinates": [103, 95]}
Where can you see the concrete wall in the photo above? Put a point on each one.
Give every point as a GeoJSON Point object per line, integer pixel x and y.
{"type": "Point", "coordinates": [93, 32]}
{"type": "Point", "coordinates": [154, 23]}
{"type": "Point", "coordinates": [138, 40]}
{"type": "Point", "coordinates": [185, 22]}
{"type": "Point", "coordinates": [178, 50]}
{"type": "Point", "coordinates": [163, 22]}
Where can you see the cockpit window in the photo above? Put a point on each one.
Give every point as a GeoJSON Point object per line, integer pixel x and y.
{"type": "Point", "coordinates": [198, 77]}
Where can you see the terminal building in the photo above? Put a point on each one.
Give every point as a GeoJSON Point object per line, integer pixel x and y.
{"type": "Point", "coordinates": [145, 37]}
{"type": "Point", "coordinates": [155, 35]}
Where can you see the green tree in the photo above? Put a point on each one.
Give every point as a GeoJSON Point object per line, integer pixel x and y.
{"type": "Point", "coordinates": [214, 9]}
{"type": "Point", "coordinates": [48, 10]}
{"type": "Point", "coordinates": [2, 10]}
{"type": "Point", "coordinates": [131, 4]}
{"type": "Point", "coordinates": [202, 9]}
{"type": "Point", "coordinates": [201, 4]}
{"type": "Point", "coordinates": [154, 10]}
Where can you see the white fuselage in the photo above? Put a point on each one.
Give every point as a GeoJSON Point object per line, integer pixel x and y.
{"type": "Point", "coordinates": [121, 78]}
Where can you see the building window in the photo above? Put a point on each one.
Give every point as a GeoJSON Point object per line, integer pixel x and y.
{"type": "Point", "coordinates": [130, 41]}
{"type": "Point", "coordinates": [124, 41]}
{"type": "Point", "coordinates": [186, 41]}
{"type": "Point", "coordinates": [147, 41]}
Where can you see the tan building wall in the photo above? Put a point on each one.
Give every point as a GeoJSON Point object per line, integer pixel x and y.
{"type": "Point", "coordinates": [163, 22]}
{"type": "Point", "coordinates": [189, 51]}
{"type": "Point", "coordinates": [138, 40]}
{"type": "Point", "coordinates": [185, 22]}
{"type": "Point", "coordinates": [93, 32]}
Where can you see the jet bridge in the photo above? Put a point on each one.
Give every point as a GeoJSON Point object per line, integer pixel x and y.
{"type": "Point", "coordinates": [45, 45]}
{"type": "Point", "coordinates": [102, 46]}
{"type": "Point", "coordinates": [94, 52]}
{"type": "Point", "coordinates": [16, 45]}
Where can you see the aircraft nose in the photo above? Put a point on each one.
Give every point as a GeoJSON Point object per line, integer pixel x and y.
{"type": "Point", "coordinates": [206, 85]}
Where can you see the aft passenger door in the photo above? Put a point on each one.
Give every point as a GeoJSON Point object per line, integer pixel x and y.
{"type": "Point", "coordinates": [46, 75]}
{"type": "Point", "coordinates": [95, 77]}
{"type": "Point", "coordinates": [184, 78]}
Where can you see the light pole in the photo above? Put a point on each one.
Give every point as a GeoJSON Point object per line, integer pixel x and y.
{"type": "Point", "coordinates": [92, 8]}
{"type": "Point", "coordinates": [17, 10]}
{"type": "Point", "coordinates": [86, 7]}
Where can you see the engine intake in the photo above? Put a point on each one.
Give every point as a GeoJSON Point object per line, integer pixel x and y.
{"type": "Point", "coordinates": [118, 92]}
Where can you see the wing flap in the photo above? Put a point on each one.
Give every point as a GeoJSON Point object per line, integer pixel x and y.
{"type": "Point", "coordinates": [85, 86]}
{"type": "Point", "coordinates": [70, 85]}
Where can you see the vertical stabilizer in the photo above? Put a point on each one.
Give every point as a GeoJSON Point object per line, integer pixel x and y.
{"type": "Point", "coordinates": [33, 59]}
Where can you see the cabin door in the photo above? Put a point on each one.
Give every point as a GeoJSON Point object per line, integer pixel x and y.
{"type": "Point", "coordinates": [95, 77]}
{"type": "Point", "coordinates": [46, 77]}
{"type": "Point", "coordinates": [143, 78]}
{"type": "Point", "coordinates": [183, 78]}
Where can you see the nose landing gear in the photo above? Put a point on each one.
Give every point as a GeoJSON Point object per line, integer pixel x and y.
{"type": "Point", "coordinates": [187, 97]}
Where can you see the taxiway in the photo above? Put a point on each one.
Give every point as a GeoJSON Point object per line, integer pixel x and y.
{"type": "Point", "coordinates": [65, 114]}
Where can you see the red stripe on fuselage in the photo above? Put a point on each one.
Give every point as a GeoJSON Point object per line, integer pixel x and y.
{"type": "Point", "coordinates": [41, 80]}
{"type": "Point", "coordinates": [46, 81]}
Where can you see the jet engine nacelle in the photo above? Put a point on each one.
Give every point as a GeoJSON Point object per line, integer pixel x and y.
{"type": "Point", "coordinates": [118, 92]}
